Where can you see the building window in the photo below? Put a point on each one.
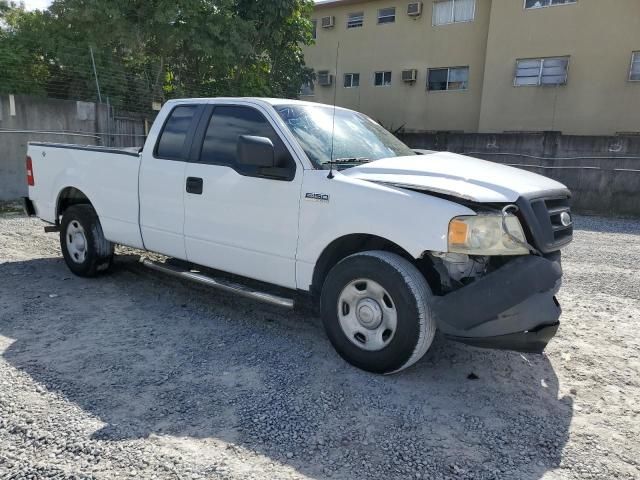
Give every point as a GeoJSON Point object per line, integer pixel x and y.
{"type": "Point", "coordinates": [634, 76]}
{"type": "Point", "coordinates": [355, 20]}
{"type": "Point", "coordinates": [307, 89]}
{"type": "Point", "coordinates": [453, 11]}
{"type": "Point", "coordinates": [351, 80]}
{"type": "Point", "coordinates": [453, 78]}
{"type": "Point", "coordinates": [382, 79]}
{"type": "Point", "coordinates": [387, 15]}
{"type": "Point", "coordinates": [531, 4]}
{"type": "Point", "coordinates": [314, 31]}
{"type": "Point", "coordinates": [541, 71]}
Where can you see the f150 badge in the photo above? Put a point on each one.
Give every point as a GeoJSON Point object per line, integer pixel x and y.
{"type": "Point", "coordinates": [318, 197]}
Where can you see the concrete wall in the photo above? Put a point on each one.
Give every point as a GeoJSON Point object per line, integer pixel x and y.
{"type": "Point", "coordinates": [24, 119]}
{"type": "Point", "coordinates": [602, 172]}
{"type": "Point", "coordinates": [598, 36]}
{"type": "Point", "coordinates": [409, 43]}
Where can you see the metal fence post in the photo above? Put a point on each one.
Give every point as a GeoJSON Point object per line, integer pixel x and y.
{"type": "Point", "coordinates": [95, 74]}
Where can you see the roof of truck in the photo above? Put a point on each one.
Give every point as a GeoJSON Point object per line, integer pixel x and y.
{"type": "Point", "coordinates": [271, 101]}
{"type": "Point", "coordinates": [258, 100]}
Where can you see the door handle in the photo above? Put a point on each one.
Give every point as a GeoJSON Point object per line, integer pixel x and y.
{"type": "Point", "coordinates": [194, 185]}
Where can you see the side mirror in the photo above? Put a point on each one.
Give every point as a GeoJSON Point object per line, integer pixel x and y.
{"type": "Point", "coordinates": [255, 151]}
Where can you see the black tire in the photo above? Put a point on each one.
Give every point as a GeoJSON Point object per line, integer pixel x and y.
{"type": "Point", "coordinates": [98, 251]}
{"type": "Point", "coordinates": [410, 297]}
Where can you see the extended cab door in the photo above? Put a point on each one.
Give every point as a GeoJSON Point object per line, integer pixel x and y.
{"type": "Point", "coordinates": [162, 174]}
{"type": "Point", "coordinates": [241, 219]}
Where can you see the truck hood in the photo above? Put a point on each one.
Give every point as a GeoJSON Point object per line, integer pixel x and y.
{"type": "Point", "coordinates": [457, 175]}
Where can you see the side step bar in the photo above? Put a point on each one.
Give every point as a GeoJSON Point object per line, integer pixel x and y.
{"type": "Point", "coordinates": [218, 283]}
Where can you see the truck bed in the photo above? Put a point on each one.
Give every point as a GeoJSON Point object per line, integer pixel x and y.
{"type": "Point", "coordinates": [108, 175]}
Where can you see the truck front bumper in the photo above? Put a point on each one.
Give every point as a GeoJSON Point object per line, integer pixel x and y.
{"type": "Point", "coordinates": [512, 308]}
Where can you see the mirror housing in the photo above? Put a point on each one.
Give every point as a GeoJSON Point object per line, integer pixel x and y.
{"type": "Point", "coordinates": [256, 151]}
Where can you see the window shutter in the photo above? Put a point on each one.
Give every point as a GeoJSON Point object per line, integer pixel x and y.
{"type": "Point", "coordinates": [528, 72]}
{"type": "Point", "coordinates": [635, 67]}
{"type": "Point", "coordinates": [443, 12]}
{"type": "Point", "coordinates": [554, 71]}
{"type": "Point", "coordinates": [463, 10]}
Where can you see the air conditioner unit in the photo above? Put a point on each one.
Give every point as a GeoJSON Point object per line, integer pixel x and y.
{"type": "Point", "coordinates": [325, 79]}
{"type": "Point", "coordinates": [409, 75]}
{"type": "Point", "coordinates": [328, 22]}
{"type": "Point", "coordinates": [414, 9]}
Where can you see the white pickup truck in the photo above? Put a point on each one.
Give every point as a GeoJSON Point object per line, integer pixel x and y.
{"type": "Point", "coordinates": [306, 199]}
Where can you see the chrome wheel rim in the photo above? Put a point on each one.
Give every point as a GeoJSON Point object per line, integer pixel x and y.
{"type": "Point", "coordinates": [367, 314]}
{"type": "Point", "coordinates": [76, 242]}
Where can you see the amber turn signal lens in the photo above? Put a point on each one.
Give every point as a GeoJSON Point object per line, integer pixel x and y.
{"type": "Point", "coordinates": [458, 232]}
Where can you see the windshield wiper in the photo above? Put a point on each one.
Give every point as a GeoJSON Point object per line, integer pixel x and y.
{"type": "Point", "coordinates": [341, 161]}
{"type": "Point", "coordinates": [346, 161]}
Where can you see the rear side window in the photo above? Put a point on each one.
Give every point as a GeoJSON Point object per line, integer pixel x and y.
{"type": "Point", "coordinates": [172, 139]}
{"type": "Point", "coordinates": [226, 125]}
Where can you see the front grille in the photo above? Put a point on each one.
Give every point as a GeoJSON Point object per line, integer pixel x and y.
{"type": "Point", "coordinates": [542, 220]}
{"type": "Point", "coordinates": [555, 208]}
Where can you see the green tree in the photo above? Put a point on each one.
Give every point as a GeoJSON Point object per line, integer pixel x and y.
{"type": "Point", "coordinates": [23, 68]}
{"type": "Point", "coordinates": [157, 49]}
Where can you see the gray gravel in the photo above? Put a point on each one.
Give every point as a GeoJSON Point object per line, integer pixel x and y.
{"type": "Point", "coordinates": [136, 375]}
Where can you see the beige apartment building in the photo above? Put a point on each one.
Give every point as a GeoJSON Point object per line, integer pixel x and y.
{"type": "Point", "coordinates": [481, 65]}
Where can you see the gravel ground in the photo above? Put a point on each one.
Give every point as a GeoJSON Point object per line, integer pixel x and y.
{"type": "Point", "coordinates": [136, 375]}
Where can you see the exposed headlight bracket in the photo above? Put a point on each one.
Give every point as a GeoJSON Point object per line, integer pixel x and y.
{"type": "Point", "coordinates": [513, 209]}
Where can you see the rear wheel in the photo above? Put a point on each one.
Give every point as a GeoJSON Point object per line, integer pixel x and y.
{"type": "Point", "coordinates": [84, 248]}
{"type": "Point", "coordinates": [375, 309]}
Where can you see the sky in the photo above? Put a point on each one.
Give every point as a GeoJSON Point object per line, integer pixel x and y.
{"type": "Point", "coordinates": [36, 4]}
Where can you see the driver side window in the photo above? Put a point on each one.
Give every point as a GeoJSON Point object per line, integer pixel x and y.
{"type": "Point", "coordinates": [226, 125]}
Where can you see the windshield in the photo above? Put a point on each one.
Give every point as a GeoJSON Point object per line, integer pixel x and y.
{"type": "Point", "coordinates": [357, 138]}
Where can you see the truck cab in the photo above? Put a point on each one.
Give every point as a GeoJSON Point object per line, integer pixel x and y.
{"type": "Point", "coordinates": [391, 243]}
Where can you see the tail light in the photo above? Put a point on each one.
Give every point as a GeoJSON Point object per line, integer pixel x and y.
{"type": "Point", "coordinates": [30, 180]}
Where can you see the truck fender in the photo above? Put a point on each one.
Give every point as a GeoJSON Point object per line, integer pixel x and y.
{"type": "Point", "coordinates": [67, 197]}
{"type": "Point", "coordinates": [345, 246]}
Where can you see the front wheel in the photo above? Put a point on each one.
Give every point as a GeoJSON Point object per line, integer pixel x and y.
{"type": "Point", "coordinates": [375, 309]}
{"type": "Point", "coordinates": [84, 248]}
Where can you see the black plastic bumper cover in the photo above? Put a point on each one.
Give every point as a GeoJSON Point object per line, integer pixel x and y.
{"type": "Point", "coordinates": [533, 341]}
{"type": "Point", "coordinates": [513, 308]}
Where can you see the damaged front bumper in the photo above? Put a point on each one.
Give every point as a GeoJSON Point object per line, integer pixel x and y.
{"type": "Point", "coordinates": [512, 308]}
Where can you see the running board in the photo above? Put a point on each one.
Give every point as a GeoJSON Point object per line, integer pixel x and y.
{"type": "Point", "coordinates": [220, 284]}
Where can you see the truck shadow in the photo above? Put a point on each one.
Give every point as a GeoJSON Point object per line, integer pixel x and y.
{"type": "Point", "coordinates": [148, 355]}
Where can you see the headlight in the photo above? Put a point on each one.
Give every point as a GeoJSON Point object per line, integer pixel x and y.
{"type": "Point", "coordinates": [484, 235]}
